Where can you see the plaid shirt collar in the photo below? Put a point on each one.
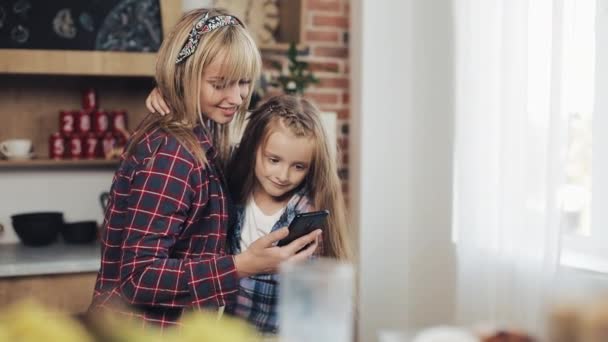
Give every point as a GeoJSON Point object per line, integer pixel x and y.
{"type": "Point", "coordinates": [204, 138]}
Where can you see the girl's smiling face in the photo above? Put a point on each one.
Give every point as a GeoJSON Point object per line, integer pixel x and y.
{"type": "Point", "coordinates": [282, 163]}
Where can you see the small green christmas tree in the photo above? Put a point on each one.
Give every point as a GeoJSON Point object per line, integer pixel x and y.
{"type": "Point", "coordinates": [299, 77]}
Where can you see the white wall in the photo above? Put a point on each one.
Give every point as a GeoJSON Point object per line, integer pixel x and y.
{"type": "Point", "coordinates": [401, 141]}
{"type": "Point", "coordinates": [73, 192]}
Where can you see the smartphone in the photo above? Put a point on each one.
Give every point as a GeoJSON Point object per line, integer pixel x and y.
{"type": "Point", "coordinates": [303, 224]}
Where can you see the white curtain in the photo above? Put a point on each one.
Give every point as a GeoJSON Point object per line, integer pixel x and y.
{"type": "Point", "coordinates": [509, 146]}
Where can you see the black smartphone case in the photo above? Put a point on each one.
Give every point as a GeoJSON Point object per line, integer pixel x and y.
{"type": "Point", "coordinates": [303, 224]}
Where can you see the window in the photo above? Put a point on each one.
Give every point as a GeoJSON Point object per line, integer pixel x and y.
{"type": "Point", "coordinates": [584, 238]}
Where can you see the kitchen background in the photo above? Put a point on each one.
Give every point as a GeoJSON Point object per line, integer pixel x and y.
{"type": "Point", "coordinates": [36, 86]}
{"type": "Point", "coordinates": [387, 68]}
{"type": "Point", "coordinates": [34, 102]}
{"type": "Point", "coordinates": [397, 146]}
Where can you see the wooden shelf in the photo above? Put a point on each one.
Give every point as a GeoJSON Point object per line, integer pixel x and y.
{"type": "Point", "coordinates": [68, 62]}
{"type": "Point", "coordinates": [58, 164]}
{"type": "Point", "coordinates": [92, 63]}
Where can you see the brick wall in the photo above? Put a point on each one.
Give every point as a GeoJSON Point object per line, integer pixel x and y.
{"type": "Point", "coordinates": [325, 26]}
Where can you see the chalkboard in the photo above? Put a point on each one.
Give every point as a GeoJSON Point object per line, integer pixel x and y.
{"type": "Point", "coordinates": [104, 25]}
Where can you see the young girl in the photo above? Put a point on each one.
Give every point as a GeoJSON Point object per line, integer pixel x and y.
{"type": "Point", "coordinates": [164, 232]}
{"type": "Point", "coordinates": [283, 166]}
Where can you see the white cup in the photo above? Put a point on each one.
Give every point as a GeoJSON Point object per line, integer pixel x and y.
{"type": "Point", "coordinates": [391, 335]}
{"type": "Point", "coordinates": [16, 148]}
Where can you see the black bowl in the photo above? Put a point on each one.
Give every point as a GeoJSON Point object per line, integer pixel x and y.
{"type": "Point", "coordinates": [37, 229]}
{"type": "Point", "coordinates": [79, 232]}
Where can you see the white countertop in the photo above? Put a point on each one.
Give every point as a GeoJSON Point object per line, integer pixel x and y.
{"type": "Point", "coordinates": [20, 260]}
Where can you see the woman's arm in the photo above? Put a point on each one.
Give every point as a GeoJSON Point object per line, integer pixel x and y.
{"type": "Point", "coordinates": [158, 204]}
{"type": "Point", "coordinates": [159, 200]}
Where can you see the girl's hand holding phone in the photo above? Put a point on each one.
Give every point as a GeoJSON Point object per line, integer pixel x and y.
{"type": "Point", "coordinates": [263, 256]}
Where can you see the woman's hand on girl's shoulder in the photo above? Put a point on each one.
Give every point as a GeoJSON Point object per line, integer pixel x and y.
{"type": "Point", "coordinates": [155, 102]}
{"type": "Point", "coordinates": [263, 256]}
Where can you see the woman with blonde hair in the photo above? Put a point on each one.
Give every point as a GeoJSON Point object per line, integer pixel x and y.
{"type": "Point", "coordinates": [165, 227]}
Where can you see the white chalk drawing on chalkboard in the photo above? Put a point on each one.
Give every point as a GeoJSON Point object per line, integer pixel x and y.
{"type": "Point", "coordinates": [20, 34]}
{"type": "Point", "coordinates": [63, 24]}
{"type": "Point", "coordinates": [21, 7]}
{"type": "Point", "coordinates": [86, 21]}
{"type": "Point", "coordinates": [132, 25]}
{"type": "Point", "coordinates": [2, 17]}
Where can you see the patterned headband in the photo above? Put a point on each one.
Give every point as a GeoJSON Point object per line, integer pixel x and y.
{"type": "Point", "coordinates": [204, 25]}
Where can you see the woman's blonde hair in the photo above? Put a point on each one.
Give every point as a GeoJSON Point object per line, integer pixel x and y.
{"type": "Point", "coordinates": [180, 83]}
{"type": "Point", "coordinates": [322, 183]}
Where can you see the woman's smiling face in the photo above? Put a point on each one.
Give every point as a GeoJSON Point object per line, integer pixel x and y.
{"type": "Point", "coordinates": [220, 100]}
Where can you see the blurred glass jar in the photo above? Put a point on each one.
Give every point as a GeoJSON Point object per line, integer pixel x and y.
{"type": "Point", "coordinates": [316, 301]}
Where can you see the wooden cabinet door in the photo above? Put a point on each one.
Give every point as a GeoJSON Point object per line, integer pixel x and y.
{"type": "Point", "coordinates": [70, 293]}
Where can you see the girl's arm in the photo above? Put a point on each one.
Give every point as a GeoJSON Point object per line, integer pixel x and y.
{"type": "Point", "coordinates": [263, 256]}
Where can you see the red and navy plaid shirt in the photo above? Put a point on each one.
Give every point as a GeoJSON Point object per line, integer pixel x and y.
{"type": "Point", "coordinates": [164, 234]}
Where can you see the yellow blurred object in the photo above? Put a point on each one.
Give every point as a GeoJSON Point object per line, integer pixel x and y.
{"type": "Point", "coordinates": [196, 326]}
{"type": "Point", "coordinates": [30, 321]}
{"type": "Point", "coordinates": [200, 326]}
{"type": "Point", "coordinates": [581, 321]}
{"type": "Point", "coordinates": [595, 322]}
{"type": "Point", "coordinates": [565, 322]}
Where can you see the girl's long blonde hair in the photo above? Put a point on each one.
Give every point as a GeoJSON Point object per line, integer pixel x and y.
{"type": "Point", "coordinates": [180, 83]}
{"type": "Point", "coordinates": [322, 181]}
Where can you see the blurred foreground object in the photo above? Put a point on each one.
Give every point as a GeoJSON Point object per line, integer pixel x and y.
{"type": "Point", "coordinates": [445, 334]}
{"type": "Point", "coordinates": [580, 322]}
{"type": "Point", "coordinates": [30, 321]}
{"type": "Point", "coordinates": [508, 336]}
{"type": "Point", "coordinates": [316, 302]}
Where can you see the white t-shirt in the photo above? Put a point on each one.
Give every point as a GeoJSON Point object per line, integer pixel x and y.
{"type": "Point", "coordinates": [256, 224]}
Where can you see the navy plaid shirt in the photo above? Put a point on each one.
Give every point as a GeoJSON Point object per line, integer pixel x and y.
{"type": "Point", "coordinates": [164, 234]}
